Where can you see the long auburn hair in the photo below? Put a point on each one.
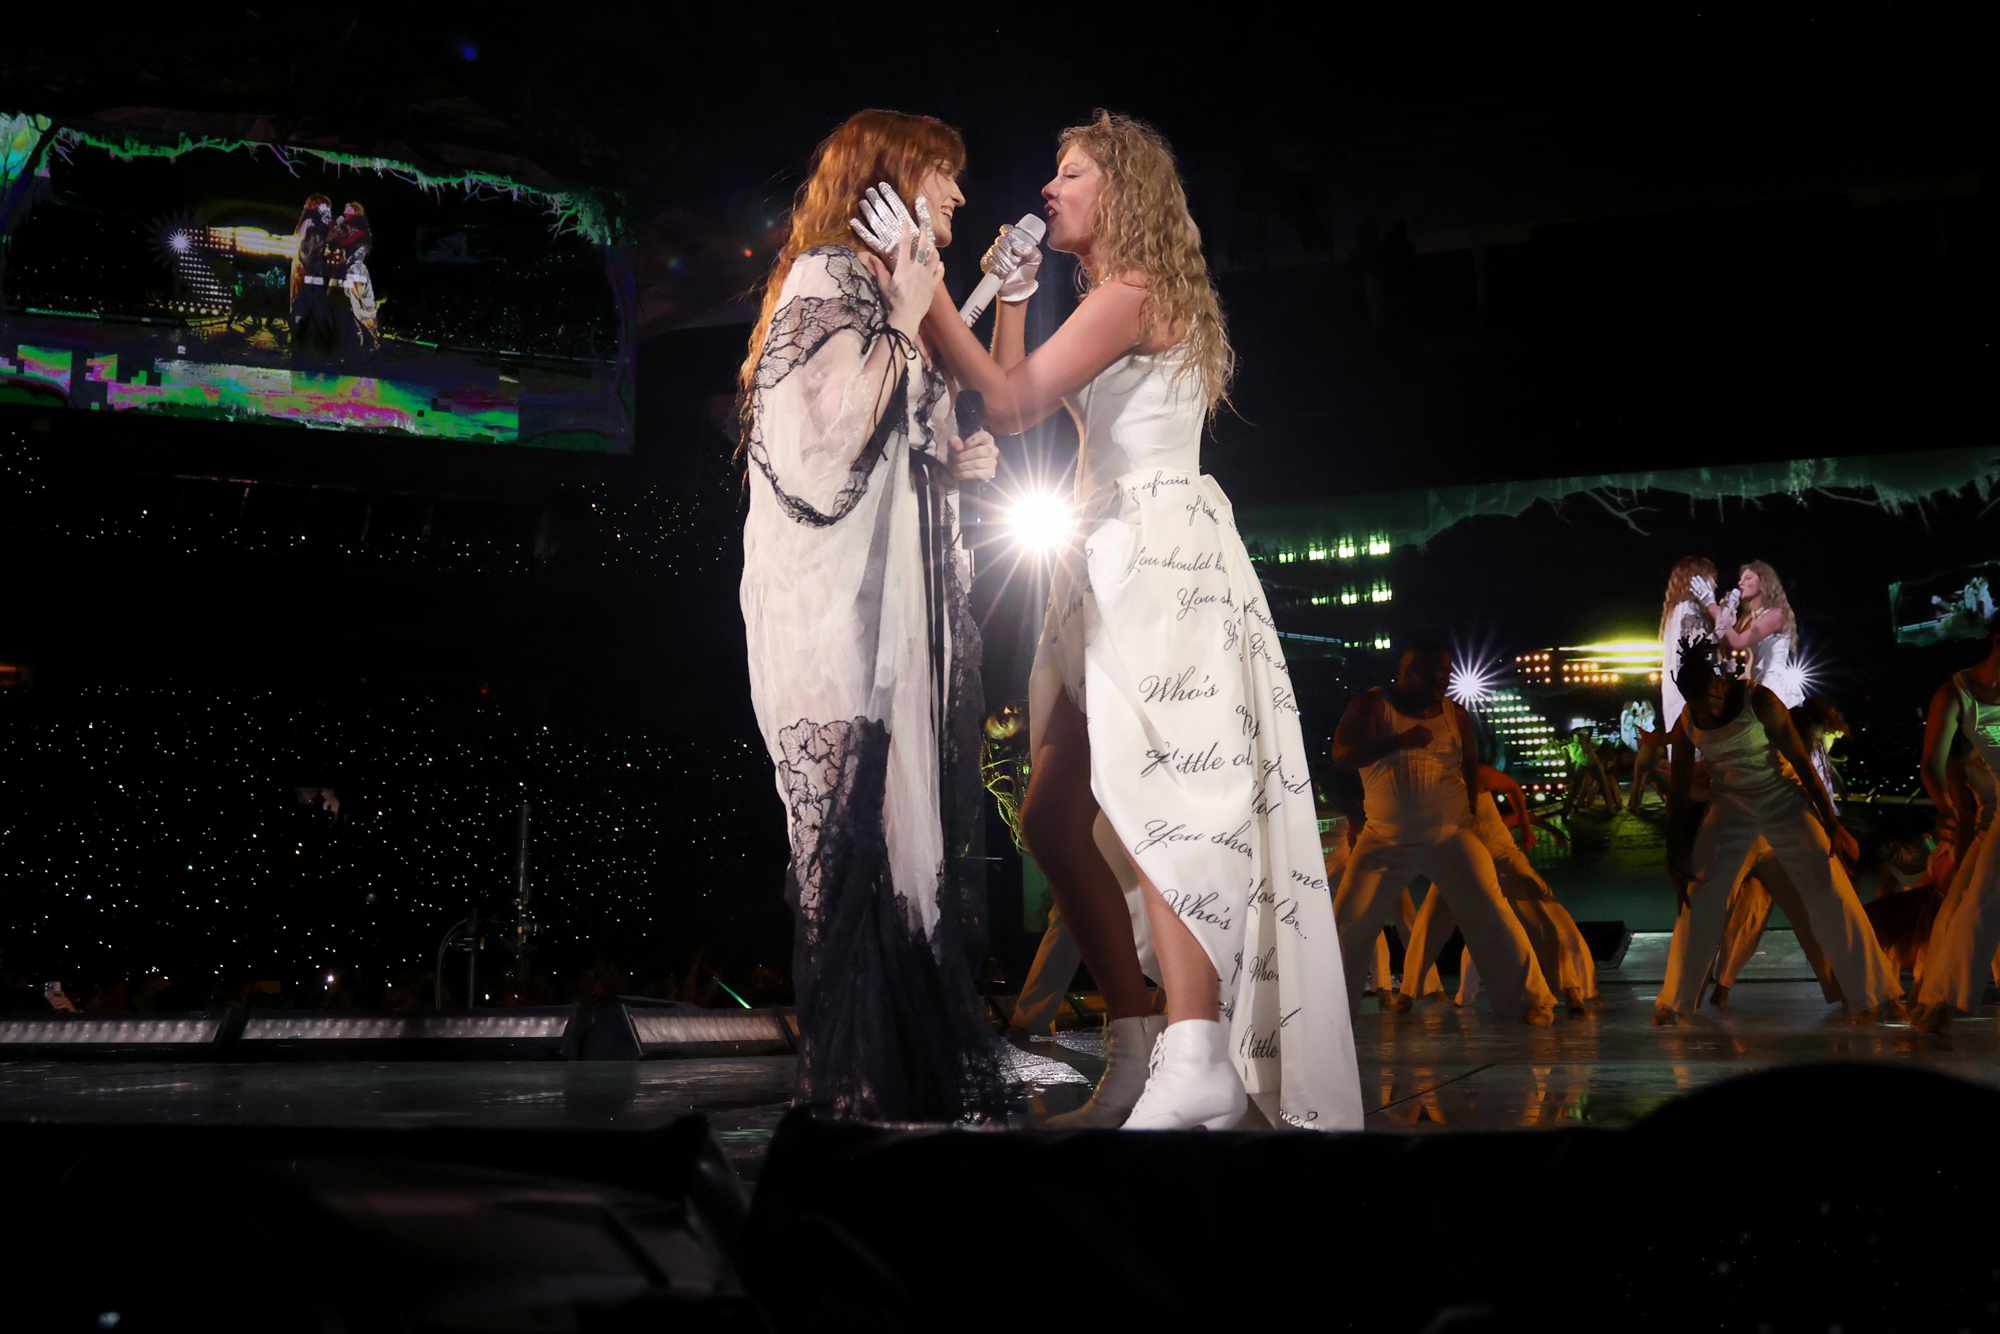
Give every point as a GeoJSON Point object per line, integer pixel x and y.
{"type": "Point", "coordinates": [1678, 585]}
{"type": "Point", "coordinates": [1770, 593]}
{"type": "Point", "coordinates": [1143, 229]}
{"type": "Point", "coordinates": [310, 207]}
{"type": "Point", "coordinates": [868, 147]}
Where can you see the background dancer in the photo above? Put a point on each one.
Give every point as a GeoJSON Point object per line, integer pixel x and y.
{"type": "Point", "coordinates": [1818, 724]}
{"type": "Point", "coordinates": [1160, 693]}
{"type": "Point", "coordinates": [1415, 752]}
{"type": "Point", "coordinates": [863, 654]}
{"type": "Point", "coordinates": [1560, 949]}
{"type": "Point", "coordinates": [1963, 942]}
{"type": "Point", "coordinates": [1380, 978]}
{"type": "Point", "coordinates": [1743, 732]}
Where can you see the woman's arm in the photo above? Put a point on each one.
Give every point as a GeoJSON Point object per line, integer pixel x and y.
{"type": "Point", "coordinates": [1762, 626]}
{"type": "Point", "coordinates": [1468, 754]}
{"type": "Point", "coordinates": [1010, 334]}
{"type": "Point", "coordinates": [1940, 731]}
{"type": "Point", "coordinates": [1518, 814]}
{"type": "Point", "coordinates": [1777, 720]}
{"type": "Point", "coordinates": [1100, 331]}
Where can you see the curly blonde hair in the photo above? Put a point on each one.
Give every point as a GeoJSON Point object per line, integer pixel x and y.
{"type": "Point", "coordinates": [869, 146]}
{"type": "Point", "coordinates": [1678, 585]}
{"type": "Point", "coordinates": [1144, 231]}
{"type": "Point", "coordinates": [1770, 593]}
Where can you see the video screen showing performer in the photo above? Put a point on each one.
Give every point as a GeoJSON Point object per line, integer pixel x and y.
{"type": "Point", "coordinates": [238, 281]}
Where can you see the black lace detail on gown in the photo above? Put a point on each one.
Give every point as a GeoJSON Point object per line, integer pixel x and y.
{"type": "Point", "coordinates": [799, 329]}
{"type": "Point", "coordinates": [890, 1024]}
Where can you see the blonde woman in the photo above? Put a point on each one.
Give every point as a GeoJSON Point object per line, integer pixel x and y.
{"type": "Point", "coordinates": [863, 654]}
{"type": "Point", "coordinates": [1160, 696]}
{"type": "Point", "coordinates": [1756, 618]}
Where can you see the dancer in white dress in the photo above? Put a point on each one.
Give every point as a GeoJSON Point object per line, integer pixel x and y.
{"type": "Point", "coordinates": [1159, 693]}
{"type": "Point", "coordinates": [1964, 938]}
{"type": "Point", "coordinates": [1414, 750]}
{"type": "Point", "coordinates": [863, 654]}
{"type": "Point", "coordinates": [1746, 739]}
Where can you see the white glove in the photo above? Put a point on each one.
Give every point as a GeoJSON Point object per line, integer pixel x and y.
{"type": "Point", "coordinates": [1703, 589]}
{"type": "Point", "coordinates": [1015, 258]}
{"type": "Point", "coordinates": [884, 221]}
{"type": "Point", "coordinates": [1733, 601]}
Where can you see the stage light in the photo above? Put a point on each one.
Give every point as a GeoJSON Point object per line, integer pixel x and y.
{"type": "Point", "coordinates": [178, 243]}
{"type": "Point", "coordinates": [1472, 683]}
{"type": "Point", "coordinates": [1040, 521]}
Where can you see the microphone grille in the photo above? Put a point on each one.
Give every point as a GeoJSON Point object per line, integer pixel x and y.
{"type": "Point", "coordinates": [1033, 226]}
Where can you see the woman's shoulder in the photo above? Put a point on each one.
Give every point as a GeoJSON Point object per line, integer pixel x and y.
{"type": "Point", "coordinates": [837, 267]}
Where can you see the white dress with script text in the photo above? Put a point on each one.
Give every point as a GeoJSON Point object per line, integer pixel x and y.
{"type": "Point", "coordinates": [1158, 630]}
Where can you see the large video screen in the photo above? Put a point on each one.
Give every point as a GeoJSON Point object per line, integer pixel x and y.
{"type": "Point", "coordinates": [152, 272]}
{"type": "Point", "coordinates": [1955, 604]}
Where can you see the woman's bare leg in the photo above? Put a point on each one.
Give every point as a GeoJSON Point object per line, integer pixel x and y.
{"type": "Point", "coordinates": [1193, 990]}
{"type": "Point", "coordinates": [1056, 818]}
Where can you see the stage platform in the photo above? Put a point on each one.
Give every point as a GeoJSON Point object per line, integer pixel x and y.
{"type": "Point", "coordinates": [1436, 1067]}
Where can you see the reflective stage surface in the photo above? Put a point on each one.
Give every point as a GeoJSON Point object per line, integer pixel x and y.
{"type": "Point", "coordinates": [1434, 1067]}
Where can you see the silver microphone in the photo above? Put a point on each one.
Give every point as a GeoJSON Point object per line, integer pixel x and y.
{"type": "Point", "coordinates": [1030, 227]}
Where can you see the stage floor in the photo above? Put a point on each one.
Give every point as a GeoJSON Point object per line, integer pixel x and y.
{"type": "Point", "coordinates": [1436, 1067]}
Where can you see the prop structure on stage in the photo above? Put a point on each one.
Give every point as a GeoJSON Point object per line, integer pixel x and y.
{"type": "Point", "coordinates": [173, 264]}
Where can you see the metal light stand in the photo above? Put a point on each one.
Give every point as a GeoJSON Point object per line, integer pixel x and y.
{"type": "Point", "coordinates": [464, 933]}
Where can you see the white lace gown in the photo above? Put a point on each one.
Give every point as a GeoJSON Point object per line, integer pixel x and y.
{"type": "Point", "coordinates": [1157, 629]}
{"type": "Point", "coordinates": [1685, 619]}
{"type": "Point", "coordinates": [864, 663]}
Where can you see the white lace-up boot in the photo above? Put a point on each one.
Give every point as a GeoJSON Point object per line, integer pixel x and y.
{"type": "Point", "coordinates": [1128, 1043]}
{"type": "Point", "coordinates": [1193, 1083]}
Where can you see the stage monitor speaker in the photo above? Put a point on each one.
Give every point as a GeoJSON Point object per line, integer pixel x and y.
{"type": "Point", "coordinates": [475, 1034]}
{"type": "Point", "coordinates": [98, 1036]}
{"type": "Point", "coordinates": [1608, 941]}
{"type": "Point", "coordinates": [642, 1028]}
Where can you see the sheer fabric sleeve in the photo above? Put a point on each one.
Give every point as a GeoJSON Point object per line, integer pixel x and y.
{"type": "Point", "coordinates": [830, 388]}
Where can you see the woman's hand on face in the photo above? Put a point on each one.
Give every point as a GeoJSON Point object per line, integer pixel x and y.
{"type": "Point", "coordinates": [975, 458]}
{"type": "Point", "coordinates": [912, 283]}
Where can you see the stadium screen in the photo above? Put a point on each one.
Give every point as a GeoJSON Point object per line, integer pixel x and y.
{"type": "Point", "coordinates": [162, 273]}
{"type": "Point", "coordinates": [1957, 604]}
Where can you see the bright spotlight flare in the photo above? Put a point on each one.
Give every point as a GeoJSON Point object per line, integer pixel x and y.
{"type": "Point", "coordinates": [1472, 683]}
{"type": "Point", "coordinates": [1022, 237]}
{"type": "Point", "coordinates": [1040, 521]}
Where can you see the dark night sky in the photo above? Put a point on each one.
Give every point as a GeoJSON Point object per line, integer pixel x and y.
{"type": "Point", "coordinates": [1687, 185]}
{"type": "Point", "coordinates": [1680, 237]}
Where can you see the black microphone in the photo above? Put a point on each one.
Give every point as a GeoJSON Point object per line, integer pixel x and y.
{"type": "Point", "coordinates": [971, 408]}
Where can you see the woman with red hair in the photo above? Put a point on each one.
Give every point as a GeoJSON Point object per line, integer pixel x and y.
{"type": "Point", "coordinates": [864, 656]}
